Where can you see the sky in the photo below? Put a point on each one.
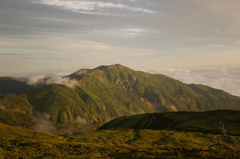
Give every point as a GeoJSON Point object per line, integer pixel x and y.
{"type": "Point", "coordinates": [197, 39]}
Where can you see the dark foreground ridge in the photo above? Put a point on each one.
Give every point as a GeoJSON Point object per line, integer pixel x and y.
{"type": "Point", "coordinates": [206, 122]}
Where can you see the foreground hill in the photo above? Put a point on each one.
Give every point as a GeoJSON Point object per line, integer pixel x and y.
{"type": "Point", "coordinates": [117, 144]}
{"type": "Point", "coordinates": [102, 94]}
{"type": "Point", "coordinates": [217, 121]}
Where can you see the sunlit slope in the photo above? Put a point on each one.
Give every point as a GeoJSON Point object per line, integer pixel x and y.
{"type": "Point", "coordinates": [117, 144]}
{"type": "Point", "coordinates": [164, 93]}
{"type": "Point", "coordinates": [94, 102]}
{"type": "Point", "coordinates": [15, 110]}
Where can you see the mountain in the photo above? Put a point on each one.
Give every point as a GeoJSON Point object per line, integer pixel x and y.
{"type": "Point", "coordinates": [10, 85]}
{"type": "Point", "coordinates": [89, 98]}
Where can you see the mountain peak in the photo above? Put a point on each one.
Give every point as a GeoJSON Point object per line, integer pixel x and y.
{"type": "Point", "coordinates": [8, 78]}
{"type": "Point", "coordinates": [102, 67]}
{"type": "Point", "coordinates": [84, 71]}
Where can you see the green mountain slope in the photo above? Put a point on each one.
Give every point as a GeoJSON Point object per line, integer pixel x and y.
{"type": "Point", "coordinates": [164, 93]}
{"type": "Point", "coordinates": [66, 105]}
{"type": "Point", "coordinates": [108, 92]}
{"type": "Point", "coordinates": [16, 110]}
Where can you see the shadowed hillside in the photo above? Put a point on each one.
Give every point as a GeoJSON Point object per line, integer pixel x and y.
{"type": "Point", "coordinates": [208, 122]}
{"type": "Point", "coordinates": [9, 85]}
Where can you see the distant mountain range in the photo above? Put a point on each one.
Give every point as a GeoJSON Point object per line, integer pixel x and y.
{"type": "Point", "coordinates": [88, 98]}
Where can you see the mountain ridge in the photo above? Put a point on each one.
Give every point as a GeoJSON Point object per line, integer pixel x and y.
{"type": "Point", "coordinates": [107, 92]}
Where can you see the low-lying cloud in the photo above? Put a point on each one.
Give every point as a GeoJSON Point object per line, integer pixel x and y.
{"type": "Point", "coordinates": [227, 79]}
{"type": "Point", "coordinates": [42, 80]}
{"type": "Point", "coordinates": [80, 120]}
{"type": "Point", "coordinates": [43, 124]}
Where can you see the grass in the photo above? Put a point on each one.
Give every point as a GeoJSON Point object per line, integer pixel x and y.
{"type": "Point", "coordinates": [115, 143]}
{"type": "Point", "coordinates": [182, 121]}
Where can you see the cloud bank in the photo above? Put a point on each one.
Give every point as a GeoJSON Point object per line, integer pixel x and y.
{"type": "Point", "coordinates": [227, 79]}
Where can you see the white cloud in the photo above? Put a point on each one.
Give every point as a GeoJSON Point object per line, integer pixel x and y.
{"type": "Point", "coordinates": [124, 33]}
{"type": "Point", "coordinates": [41, 79]}
{"type": "Point", "coordinates": [80, 120]}
{"type": "Point", "coordinates": [36, 80]}
{"type": "Point", "coordinates": [60, 74]}
{"type": "Point", "coordinates": [132, 32]}
{"type": "Point", "coordinates": [227, 79]}
{"type": "Point", "coordinates": [81, 71]}
{"type": "Point", "coordinates": [89, 6]}
{"type": "Point", "coordinates": [62, 80]}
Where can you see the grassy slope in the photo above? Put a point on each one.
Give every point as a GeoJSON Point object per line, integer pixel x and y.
{"type": "Point", "coordinates": [15, 110]}
{"type": "Point", "coordinates": [164, 92]}
{"type": "Point", "coordinates": [116, 143]}
{"type": "Point", "coordinates": [94, 101]}
{"type": "Point", "coordinates": [183, 121]}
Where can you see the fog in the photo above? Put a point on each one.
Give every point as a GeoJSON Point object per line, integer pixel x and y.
{"type": "Point", "coordinates": [227, 79]}
{"type": "Point", "coordinates": [41, 79]}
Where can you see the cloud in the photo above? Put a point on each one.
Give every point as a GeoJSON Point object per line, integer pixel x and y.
{"type": "Point", "coordinates": [189, 33]}
{"type": "Point", "coordinates": [41, 79]}
{"type": "Point", "coordinates": [92, 47]}
{"type": "Point", "coordinates": [90, 7]}
{"type": "Point", "coordinates": [60, 74]}
{"type": "Point", "coordinates": [80, 120]}
{"type": "Point", "coordinates": [82, 71]}
{"type": "Point", "coordinates": [43, 124]}
{"type": "Point", "coordinates": [216, 46]}
{"type": "Point", "coordinates": [132, 32]}
{"type": "Point", "coordinates": [227, 79]}
{"type": "Point", "coordinates": [7, 45]}
{"type": "Point", "coordinates": [36, 80]}
{"type": "Point", "coordinates": [62, 80]}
